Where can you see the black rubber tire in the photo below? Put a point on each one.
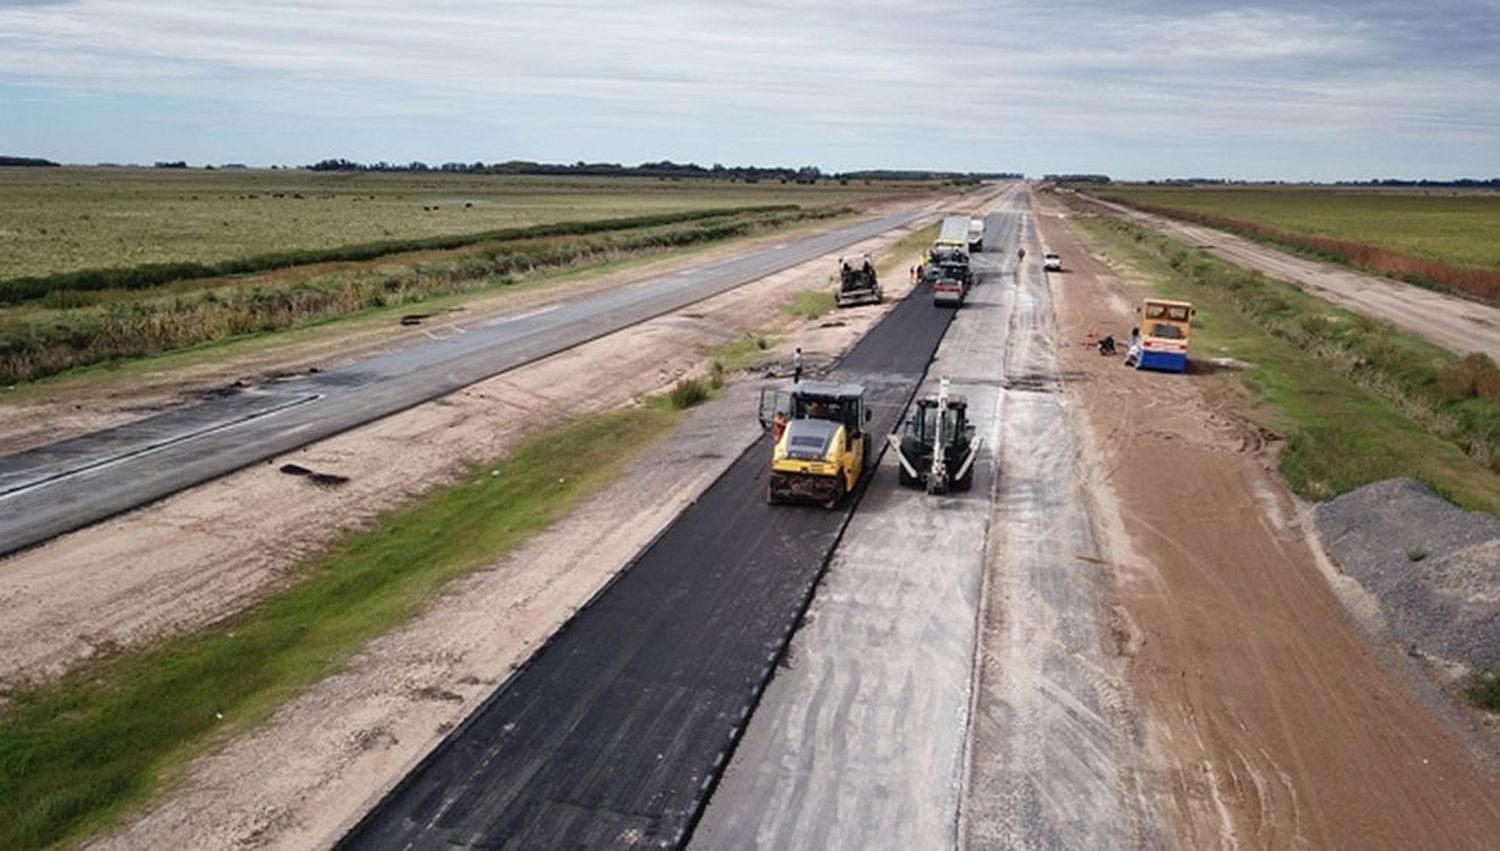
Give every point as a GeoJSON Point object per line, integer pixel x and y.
{"type": "Point", "coordinates": [906, 480]}
{"type": "Point", "coordinates": [838, 495]}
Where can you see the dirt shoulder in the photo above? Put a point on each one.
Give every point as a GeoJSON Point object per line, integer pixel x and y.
{"type": "Point", "coordinates": [1456, 324]}
{"type": "Point", "coordinates": [1272, 721]}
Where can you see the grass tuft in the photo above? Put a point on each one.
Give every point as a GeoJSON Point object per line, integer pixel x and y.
{"type": "Point", "coordinates": [1474, 377]}
{"type": "Point", "coordinates": [688, 392]}
{"type": "Point", "coordinates": [811, 304]}
{"type": "Point", "coordinates": [1484, 691]}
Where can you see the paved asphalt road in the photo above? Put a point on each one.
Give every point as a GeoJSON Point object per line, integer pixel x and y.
{"type": "Point", "coordinates": [859, 743]}
{"type": "Point", "coordinates": [58, 488]}
{"type": "Point", "coordinates": [616, 731]}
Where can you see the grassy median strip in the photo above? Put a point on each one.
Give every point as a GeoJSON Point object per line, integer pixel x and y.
{"type": "Point", "coordinates": [1358, 401]}
{"type": "Point", "coordinates": [77, 753]}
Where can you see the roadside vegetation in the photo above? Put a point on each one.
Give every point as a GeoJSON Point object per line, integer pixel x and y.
{"type": "Point", "coordinates": [1484, 691]}
{"type": "Point", "coordinates": [1443, 240]}
{"type": "Point", "coordinates": [78, 288]}
{"type": "Point", "coordinates": [811, 304]}
{"type": "Point", "coordinates": [78, 753]}
{"type": "Point", "coordinates": [741, 354]}
{"type": "Point", "coordinates": [68, 329]}
{"type": "Point", "coordinates": [65, 219]}
{"type": "Point", "coordinates": [1357, 400]}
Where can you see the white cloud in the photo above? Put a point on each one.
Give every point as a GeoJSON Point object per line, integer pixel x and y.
{"type": "Point", "coordinates": [878, 76]}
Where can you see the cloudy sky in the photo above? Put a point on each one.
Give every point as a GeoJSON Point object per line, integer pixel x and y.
{"type": "Point", "coordinates": [1279, 89]}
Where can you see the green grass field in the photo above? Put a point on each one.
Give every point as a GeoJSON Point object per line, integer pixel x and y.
{"type": "Point", "coordinates": [1458, 228]}
{"type": "Point", "coordinates": [59, 220]}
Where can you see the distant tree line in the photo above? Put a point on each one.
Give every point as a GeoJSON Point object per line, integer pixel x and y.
{"type": "Point", "coordinates": [28, 162]}
{"type": "Point", "coordinates": [662, 169]}
{"type": "Point", "coordinates": [1459, 183]}
{"type": "Point", "coordinates": [1077, 178]}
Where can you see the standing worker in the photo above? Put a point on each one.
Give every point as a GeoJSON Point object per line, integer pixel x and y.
{"type": "Point", "coordinates": [797, 366]}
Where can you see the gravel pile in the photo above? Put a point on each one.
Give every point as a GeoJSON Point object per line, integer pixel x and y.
{"type": "Point", "coordinates": [1434, 568]}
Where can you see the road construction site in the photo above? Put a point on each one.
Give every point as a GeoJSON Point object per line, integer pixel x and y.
{"type": "Point", "coordinates": [1048, 659]}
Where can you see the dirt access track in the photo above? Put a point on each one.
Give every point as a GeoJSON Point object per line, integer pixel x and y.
{"type": "Point", "coordinates": [1271, 720]}
{"type": "Point", "coordinates": [1459, 325]}
{"type": "Point", "coordinates": [194, 557]}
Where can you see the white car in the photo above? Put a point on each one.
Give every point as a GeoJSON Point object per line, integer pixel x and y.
{"type": "Point", "coordinates": [1052, 262]}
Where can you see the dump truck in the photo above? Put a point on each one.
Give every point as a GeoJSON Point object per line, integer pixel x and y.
{"type": "Point", "coordinates": [954, 233]}
{"type": "Point", "coordinates": [857, 282]}
{"type": "Point", "coordinates": [938, 444]}
{"type": "Point", "coordinates": [821, 448]}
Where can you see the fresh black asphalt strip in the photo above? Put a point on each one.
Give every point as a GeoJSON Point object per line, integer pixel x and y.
{"type": "Point", "coordinates": [616, 731]}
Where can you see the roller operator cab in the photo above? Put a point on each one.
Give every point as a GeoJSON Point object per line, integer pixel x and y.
{"type": "Point", "coordinates": [821, 446]}
{"type": "Point", "coordinates": [1165, 328]}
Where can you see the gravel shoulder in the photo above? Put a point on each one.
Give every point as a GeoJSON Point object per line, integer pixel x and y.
{"type": "Point", "coordinates": [1264, 700]}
